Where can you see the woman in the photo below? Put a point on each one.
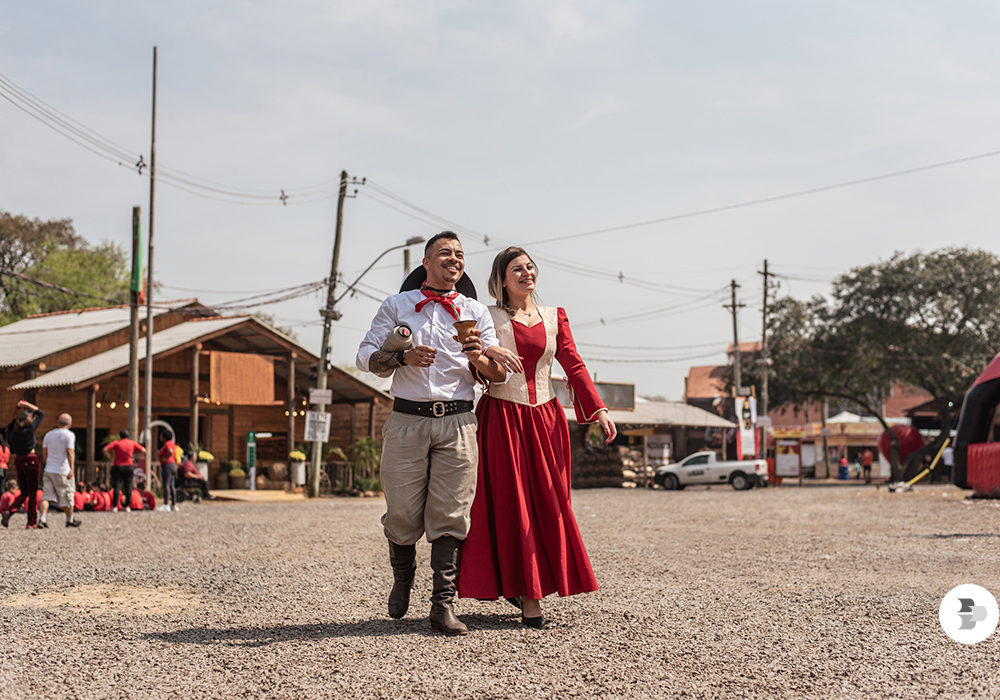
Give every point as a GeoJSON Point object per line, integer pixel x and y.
{"type": "Point", "coordinates": [168, 471]}
{"type": "Point", "coordinates": [122, 468]}
{"type": "Point", "coordinates": [21, 440]}
{"type": "Point", "coordinates": [524, 543]}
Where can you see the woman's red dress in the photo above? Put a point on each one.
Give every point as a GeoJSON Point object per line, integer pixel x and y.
{"type": "Point", "coordinates": [524, 540]}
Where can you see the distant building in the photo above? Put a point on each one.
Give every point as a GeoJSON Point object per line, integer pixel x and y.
{"type": "Point", "coordinates": [215, 379]}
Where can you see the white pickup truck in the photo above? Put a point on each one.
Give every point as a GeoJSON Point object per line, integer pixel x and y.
{"type": "Point", "coordinates": [707, 468]}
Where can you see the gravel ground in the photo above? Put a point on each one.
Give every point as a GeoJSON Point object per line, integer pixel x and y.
{"type": "Point", "coordinates": [817, 592]}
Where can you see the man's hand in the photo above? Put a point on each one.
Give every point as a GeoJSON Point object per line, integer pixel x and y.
{"type": "Point", "coordinates": [472, 344]}
{"type": "Point", "coordinates": [416, 356]}
{"type": "Point", "coordinates": [420, 356]}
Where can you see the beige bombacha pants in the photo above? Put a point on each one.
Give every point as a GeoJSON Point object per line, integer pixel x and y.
{"type": "Point", "coordinates": [428, 471]}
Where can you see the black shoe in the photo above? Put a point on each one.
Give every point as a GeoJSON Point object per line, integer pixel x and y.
{"type": "Point", "coordinates": [516, 602]}
{"type": "Point", "coordinates": [42, 523]}
{"type": "Point", "coordinates": [5, 518]}
{"type": "Point", "coordinates": [536, 622]}
{"type": "Point", "coordinates": [73, 523]}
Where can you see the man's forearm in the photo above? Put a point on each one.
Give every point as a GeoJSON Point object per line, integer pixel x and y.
{"type": "Point", "coordinates": [382, 360]}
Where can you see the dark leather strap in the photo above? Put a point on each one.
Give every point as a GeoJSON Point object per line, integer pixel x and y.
{"type": "Point", "coordinates": [431, 409]}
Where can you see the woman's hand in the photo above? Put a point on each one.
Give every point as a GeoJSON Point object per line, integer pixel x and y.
{"type": "Point", "coordinates": [505, 358]}
{"type": "Point", "coordinates": [608, 426]}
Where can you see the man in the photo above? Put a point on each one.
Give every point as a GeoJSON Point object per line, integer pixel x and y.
{"type": "Point", "coordinates": [429, 453]}
{"type": "Point", "coordinates": [948, 458]}
{"type": "Point", "coordinates": [867, 457]}
{"type": "Point", "coordinates": [59, 454]}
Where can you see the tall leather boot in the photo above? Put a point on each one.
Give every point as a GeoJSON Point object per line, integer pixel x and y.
{"type": "Point", "coordinates": [445, 554]}
{"type": "Point", "coordinates": [404, 566]}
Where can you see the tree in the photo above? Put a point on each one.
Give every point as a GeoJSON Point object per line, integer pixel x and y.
{"type": "Point", "coordinates": [930, 320]}
{"type": "Point", "coordinates": [52, 252]}
{"type": "Point", "coordinates": [814, 359]}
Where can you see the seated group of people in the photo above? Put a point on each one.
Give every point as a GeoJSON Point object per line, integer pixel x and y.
{"type": "Point", "coordinates": [88, 497]}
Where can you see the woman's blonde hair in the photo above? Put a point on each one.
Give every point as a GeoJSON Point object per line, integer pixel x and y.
{"type": "Point", "coordinates": [500, 263]}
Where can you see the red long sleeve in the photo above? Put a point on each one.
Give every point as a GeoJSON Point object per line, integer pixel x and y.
{"type": "Point", "coordinates": [586, 401]}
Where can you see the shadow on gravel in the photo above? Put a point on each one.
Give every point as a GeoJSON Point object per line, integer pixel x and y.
{"type": "Point", "coordinates": [263, 636]}
{"type": "Point", "coordinates": [963, 535]}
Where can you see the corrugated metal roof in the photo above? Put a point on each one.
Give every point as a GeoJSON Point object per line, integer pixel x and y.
{"type": "Point", "coordinates": [32, 339]}
{"type": "Point", "coordinates": [653, 413]}
{"type": "Point", "coordinates": [117, 358]}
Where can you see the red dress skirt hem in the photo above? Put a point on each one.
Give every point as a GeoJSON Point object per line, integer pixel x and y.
{"type": "Point", "coordinates": [524, 539]}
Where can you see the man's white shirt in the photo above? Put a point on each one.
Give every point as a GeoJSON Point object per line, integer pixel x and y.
{"type": "Point", "coordinates": [449, 378]}
{"type": "Point", "coordinates": [58, 442]}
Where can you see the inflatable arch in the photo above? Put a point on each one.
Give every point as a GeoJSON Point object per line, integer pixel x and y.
{"type": "Point", "coordinates": [977, 464]}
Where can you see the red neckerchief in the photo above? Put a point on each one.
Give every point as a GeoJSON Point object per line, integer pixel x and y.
{"type": "Point", "coordinates": [445, 300]}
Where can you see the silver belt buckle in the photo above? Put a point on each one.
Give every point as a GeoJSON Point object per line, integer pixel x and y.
{"type": "Point", "coordinates": [437, 408]}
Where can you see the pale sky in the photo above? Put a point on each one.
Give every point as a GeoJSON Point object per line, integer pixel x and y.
{"type": "Point", "coordinates": [521, 121]}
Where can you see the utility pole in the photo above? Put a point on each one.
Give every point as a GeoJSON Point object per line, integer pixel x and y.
{"type": "Point", "coordinates": [765, 355]}
{"type": "Point", "coordinates": [148, 400]}
{"type": "Point", "coordinates": [406, 262]}
{"type": "Point", "coordinates": [133, 340]}
{"type": "Point", "coordinates": [329, 314]}
{"type": "Point", "coordinates": [737, 360]}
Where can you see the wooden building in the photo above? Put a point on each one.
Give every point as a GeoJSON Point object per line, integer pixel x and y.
{"type": "Point", "coordinates": [214, 380]}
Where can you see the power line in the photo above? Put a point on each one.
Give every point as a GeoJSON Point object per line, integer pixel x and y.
{"type": "Point", "coordinates": [223, 291]}
{"type": "Point", "coordinates": [559, 264]}
{"type": "Point", "coordinates": [56, 287]}
{"type": "Point", "coordinates": [105, 148]}
{"type": "Point", "coordinates": [651, 360]}
{"type": "Point", "coordinates": [673, 309]}
{"type": "Point", "coordinates": [769, 200]}
{"type": "Point", "coordinates": [721, 343]}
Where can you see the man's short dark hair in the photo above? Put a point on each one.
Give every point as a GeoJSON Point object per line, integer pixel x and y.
{"type": "Point", "coordinates": [448, 235]}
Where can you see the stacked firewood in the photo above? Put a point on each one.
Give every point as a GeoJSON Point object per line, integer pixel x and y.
{"type": "Point", "coordinates": [602, 467]}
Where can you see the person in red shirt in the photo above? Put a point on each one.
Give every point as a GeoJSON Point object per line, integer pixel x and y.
{"type": "Point", "coordinates": [10, 495]}
{"type": "Point", "coordinates": [135, 499]}
{"type": "Point", "coordinates": [146, 498]}
{"type": "Point", "coordinates": [80, 497]}
{"type": "Point", "coordinates": [192, 478]}
{"type": "Point", "coordinates": [867, 457]}
{"type": "Point", "coordinates": [100, 501]}
{"type": "Point", "coordinates": [123, 467]}
{"type": "Point", "coordinates": [4, 458]}
{"type": "Point", "coordinates": [168, 470]}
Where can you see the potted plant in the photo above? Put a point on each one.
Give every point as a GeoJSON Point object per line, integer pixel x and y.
{"type": "Point", "coordinates": [222, 477]}
{"type": "Point", "coordinates": [237, 476]}
{"type": "Point", "coordinates": [297, 458]}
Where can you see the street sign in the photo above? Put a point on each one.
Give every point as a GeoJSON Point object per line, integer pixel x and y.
{"type": "Point", "coordinates": [252, 458]}
{"type": "Point", "coordinates": [320, 396]}
{"type": "Point", "coordinates": [317, 427]}
{"type": "Point", "coordinates": [764, 422]}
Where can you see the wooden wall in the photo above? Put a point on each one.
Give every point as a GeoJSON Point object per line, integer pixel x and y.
{"type": "Point", "coordinates": [172, 397]}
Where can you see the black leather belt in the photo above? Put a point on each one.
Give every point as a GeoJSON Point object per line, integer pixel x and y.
{"type": "Point", "coordinates": [433, 409]}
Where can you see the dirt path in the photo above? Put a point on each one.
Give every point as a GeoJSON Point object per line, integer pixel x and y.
{"type": "Point", "coordinates": [788, 593]}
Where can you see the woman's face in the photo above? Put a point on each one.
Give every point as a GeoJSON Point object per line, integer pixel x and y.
{"type": "Point", "coordinates": [520, 277]}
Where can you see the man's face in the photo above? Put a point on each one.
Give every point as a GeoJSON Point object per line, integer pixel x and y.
{"type": "Point", "coordinates": [445, 263]}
